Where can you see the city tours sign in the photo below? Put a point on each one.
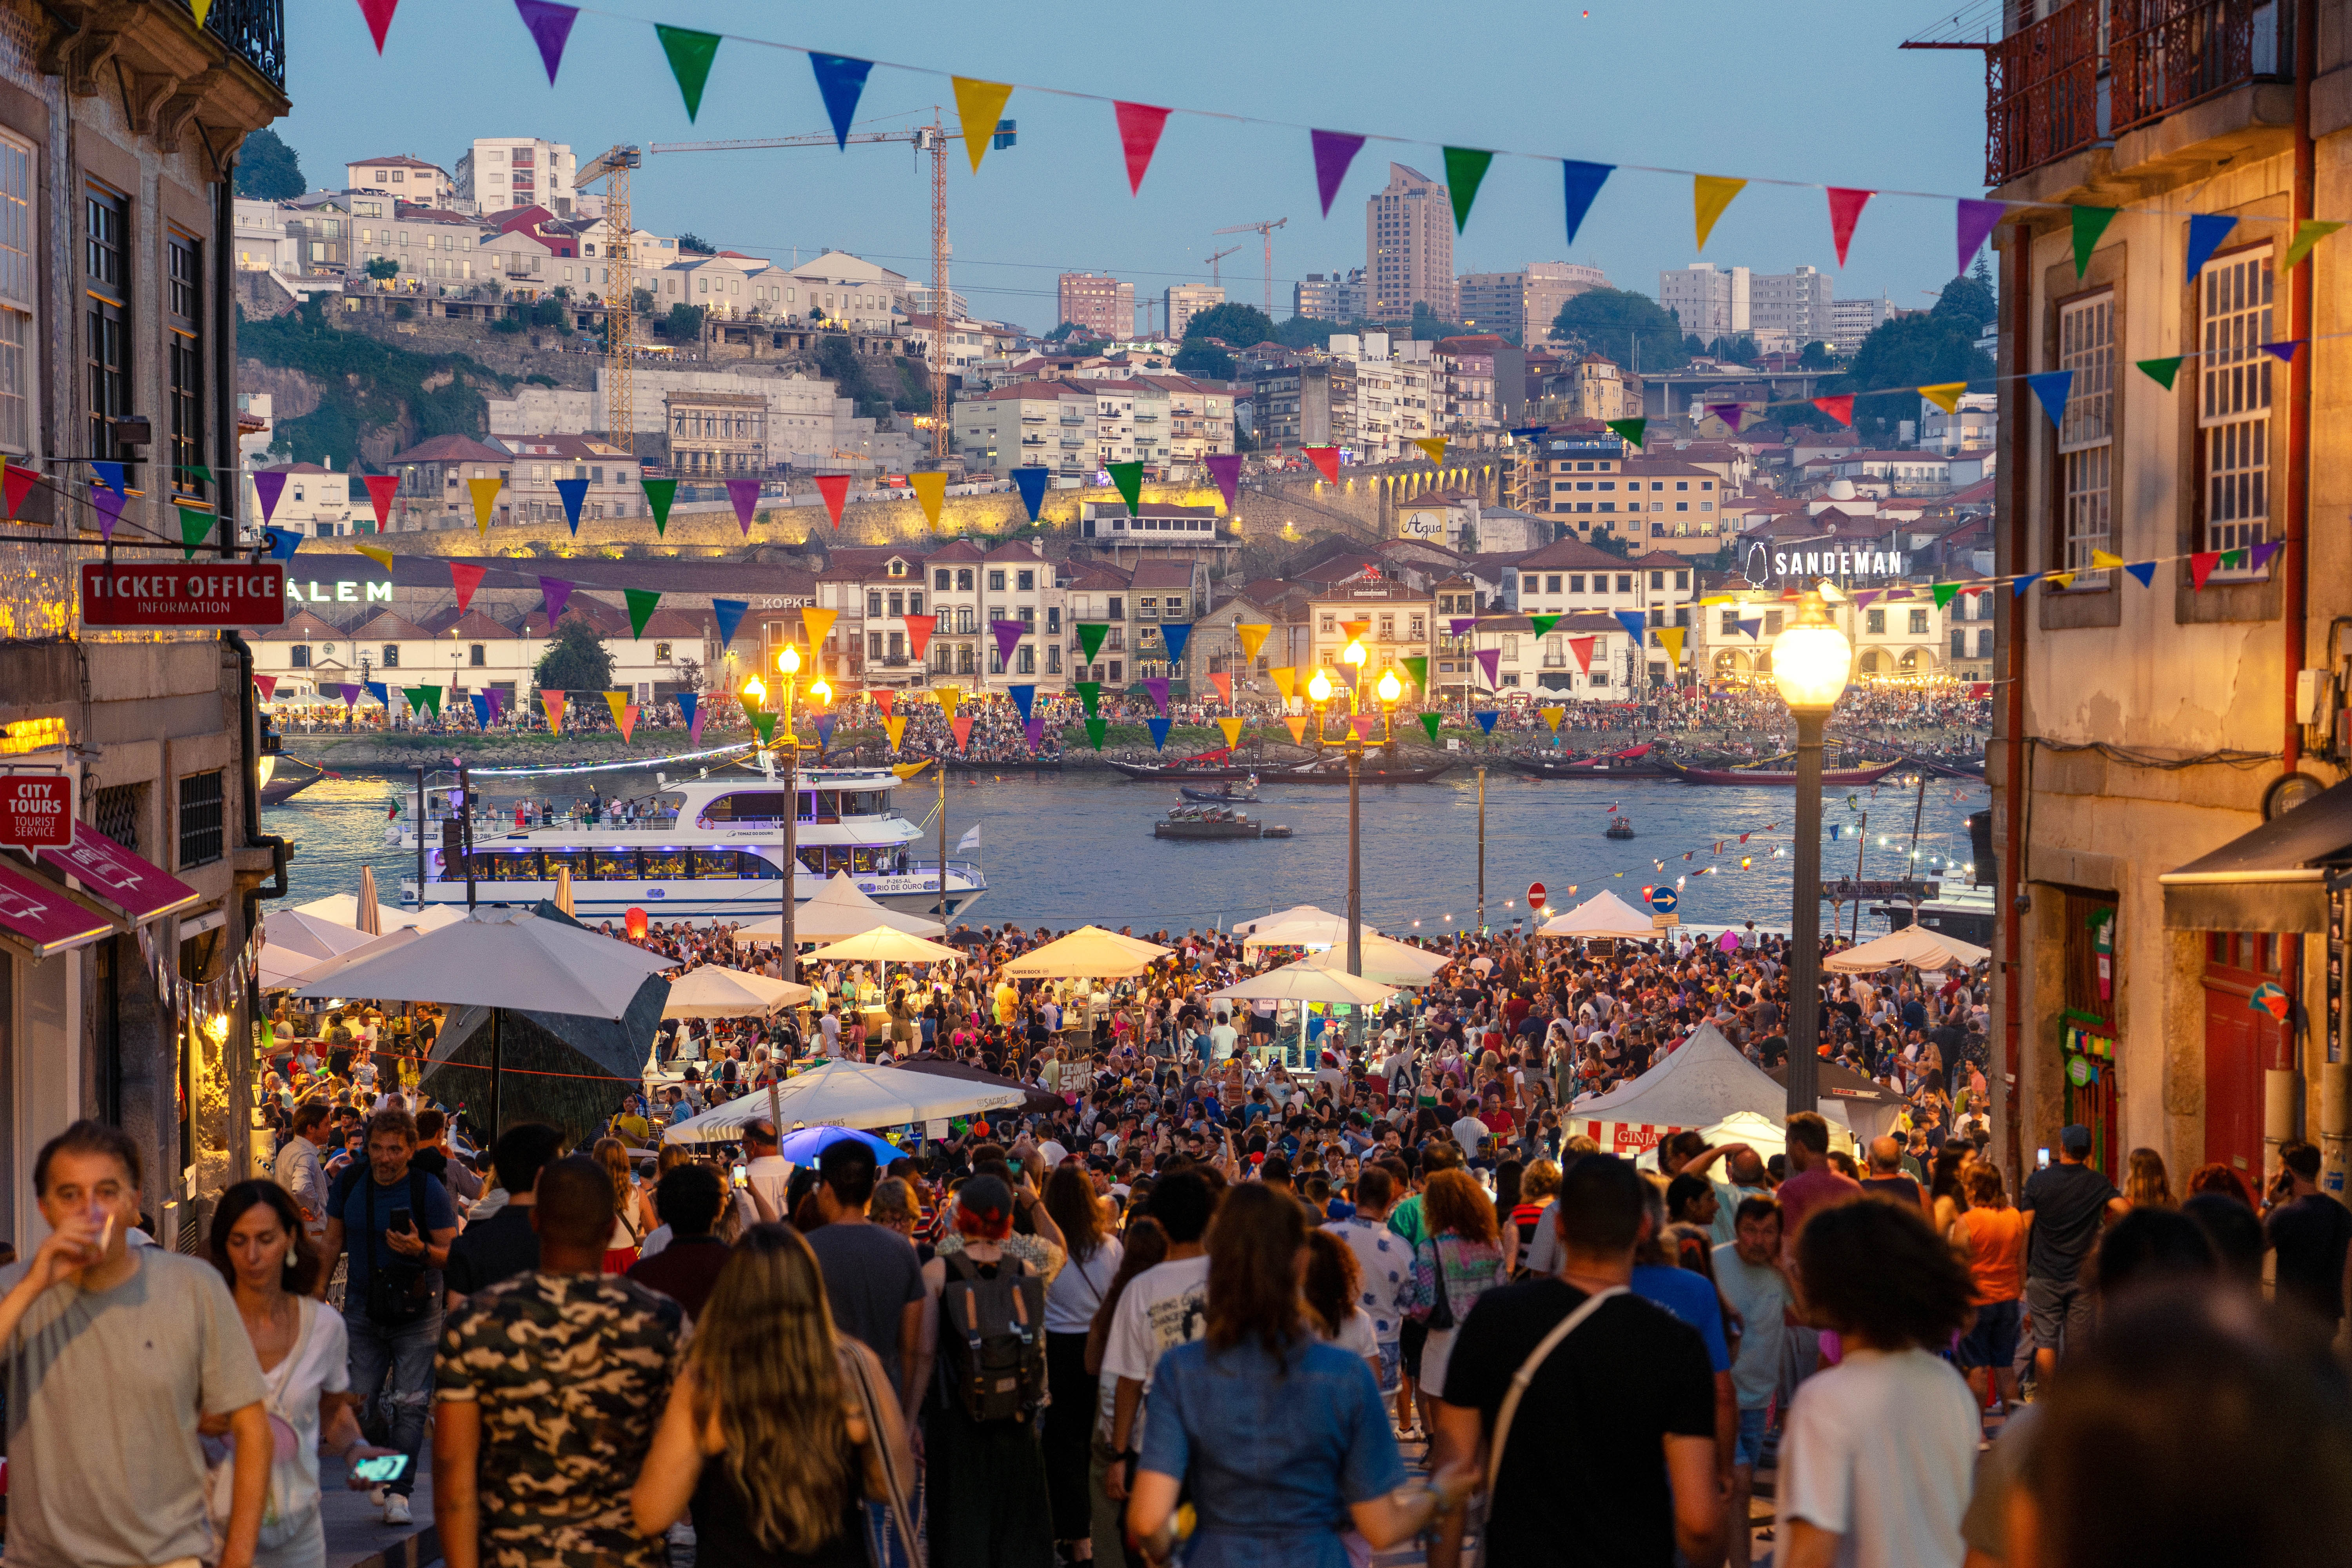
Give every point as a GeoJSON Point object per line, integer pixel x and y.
{"type": "Point", "coordinates": [152, 594]}
{"type": "Point", "coordinates": [36, 809]}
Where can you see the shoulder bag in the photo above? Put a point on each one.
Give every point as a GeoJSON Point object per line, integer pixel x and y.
{"type": "Point", "coordinates": [902, 1512]}
{"type": "Point", "coordinates": [1483, 1504]}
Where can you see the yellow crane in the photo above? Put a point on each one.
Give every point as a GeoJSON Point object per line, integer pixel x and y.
{"type": "Point", "coordinates": [614, 166]}
{"type": "Point", "coordinates": [1265, 232]}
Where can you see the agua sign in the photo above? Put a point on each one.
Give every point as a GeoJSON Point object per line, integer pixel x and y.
{"type": "Point", "coordinates": [36, 809]}
{"type": "Point", "coordinates": [194, 593]}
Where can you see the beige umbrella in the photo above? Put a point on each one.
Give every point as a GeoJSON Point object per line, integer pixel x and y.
{"type": "Point", "coordinates": [1088, 952]}
{"type": "Point", "coordinates": [712, 992]}
{"type": "Point", "coordinates": [1386, 961]}
{"type": "Point", "coordinates": [836, 910]}
{"type": "Point", "coordinates": [344, 909]}
{"type": "Point", "coordinates": [1909, 946]}
{"type": "Point", "coordinates": [368, 904]}
{"type": "Point", "coordinates": [884, 945]}
{"type": "Point", "coordinates": [1306, 981]}
{"type": "Point", "coordinates": [563, 889]}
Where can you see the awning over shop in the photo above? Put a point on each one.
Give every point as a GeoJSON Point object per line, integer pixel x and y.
{"type": "Point", "coordinates": [42, 919]}
{"type": "Point", "coordinates": [2274, 878]}
{"type": "Point", "coordinates": [137, 887]}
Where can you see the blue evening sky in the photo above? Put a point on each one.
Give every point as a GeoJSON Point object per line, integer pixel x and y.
{"type": "Point", "coordinates": [1813, 90]}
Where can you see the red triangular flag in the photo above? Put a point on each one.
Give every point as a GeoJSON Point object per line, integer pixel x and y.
{"type": "Point", "coordinates": [1225, 685]}
{"type": "Point", "coordinates": [1583, 648]}
{"type": "Point", "coordinates": [835, 488]}
{"type": "Point", "coordinates": [1845, 207]}
{"type": "Point", "coordinates": [381, 489]}
{"type": "Point", "coordinates": [885, 699]}
{"type": "Point", "coordinates": [464, 579]}
{"type": "Point", "coordinates": [961, 725]}
{"type": "Point", "coordinates": [17, 483]}
{"type": "Point", "coordinates": [1839, 408]}
{"type": "Point", "coordinates": [1326, 459]}
{"type": "Point", "coordinates": [1743, 839]}
{"type": "Point", "coordinates": [268, 685]}
{"type": "Point", "coordinates": [918, 635]}
{"type": "Point", "coordinates": [2201, 565]}
{"type": "Point", "coordinates": [378, 19]}
{"type": "Point", "coordinates": [1140, 125]}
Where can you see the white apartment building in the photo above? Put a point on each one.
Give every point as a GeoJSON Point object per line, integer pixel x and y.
{"type": "Point", "coordinates": [649, 252]}
{"type": "Point", "coordinates": [1330, 296]}
{"type": "Point", "coordinates": [1199, 417]}
{"type": "Point", "coordinates": [809, 424]}
{"type": "Point", "coordinates": [503, 172]}
{"type": "Point", "coordinates": [1794, 306]}
{"type": "Point", "coordinates": [436, 245]}
{"type": "Point", "coordinates": [848, 290]}
{"type": "Point", "coordinates": [1185, 301]}
{"type": "Point", "coordinates": [1033, 424]}
{"type": "Point", "coordinates": [1710, 302]}
{"type": "Point", "coordinates": [1970, 425]}
{"type": "Point", "coordinates": [728, 286]}
{"type": "Point", "coordinates": [412, 179]}
{"type": "Point", "coordinates": [960, 346]}
{"type": "Point", "coordinates": [1397, 398]}
{"type": "Point", "coordinates": [263, 242]}
{"type": "Point", "coordinates": [1523, 303]}
{"type": "Point", "coordinates": [315, 502]}
{"type": "Point", "coordinates": [1851, 320]}
{"type": "Point", "coordinates": [1131, 423]}
{"type": "Point", "coordinates": [1409, 247]}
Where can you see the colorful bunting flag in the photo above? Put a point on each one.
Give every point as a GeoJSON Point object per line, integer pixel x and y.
{"type": "Point", "coordinates": [16, 482]}
{"type": "Point", "coordinates": [1433, 446]}
{"type": "Point", "coordinates": [660, 495]}
{"type": "Point", "coordinates": [267, 488]}
{"type": "Point", "coordinates": [110, 476]}
{"type": "Point", "coordinates": [2284, 350]}
{"type": "Point", "coordinates": [1431, 721]}
{"type": "Point", "coordinates": [823, 723]}
{"type": "Point", "coordinates": [980, 104]}
{"type": "Point", "coordinates": [1977, 220]}
{"type": "Point", "coordinates": [1460, 626]}
{"type": "Point", "coordinates": [1034, 732]}
{"type": "Point", "coordinates": [1542, 625]}
{"type": "Point", "coordinates": [1251, 635]}
{"type": "Point", "coordinates": [1490, 660]}
{"type": "Point", "coordinates": [1158, 728]}
{"type": "Point", "coordinates": [486, 497]}
{"type": "Point", "coordinates": [1128, 478]}
{"type": "Point", "coordinates": [1671, 637]}
{"type": "Point", "coordinates": [574, 494]}
{"type": "Point", "coordinates": [1579, 183]}
{"type": "Point", "coordinates": [2263, 552]}
{"type": "Point", "coordinates": [1334, 150]}
{"type": "Point", "coordinates": [764, 724]}
{"type": "Point", "coordinates": [1583, 648]}
{"type": "Point", "coordinates": [2161, 371]}
{"type": "Point", "coordinates": [2200, 566]}
{"type": "Point", "coordinates": [1089, 696]}
{"type": "Point", "coordinates": [1944, 394]}
{"type": "Point", "coordinates": [1090, 639]}
{"type": "Point", "coordinates": [1326, 459]}
{"type": "Point", "coordinates": [729, 613]}
{"type": "Point", "coordinates": [624, 713]}
{"type": "Point", "coordinates": [376, 553]}
{"type": "Point", "coordinates": [549, 26]}
{"type": "Point", "coordinates": [1031, 483]}
{"type": "Point", "coordinates": [1232, 728]}
{"type": "Point", "coordinates": [1024, 697]}
{"type": "Point", "coordinates": [1710, 194]}
{"type": "Point", "coordinates": [1416, 667]}
{"type": "Point", "coordinates": [1297, 725]}
{"type": "Point", "coordinates": [193, 527]}
{"type": "Point", "coordinates": [281, 543]}
{"type": "Point", "coordinates": [380, 691]}
{"type": "Point", "coordinates": [1175, 633]}
{"type": "Point", "coordinates": [930, 489]}
{"type": "Point", "coordinates": [1285, 680]}
{"type": "Point", "coordinates": [1357, 627]}
{"type": "Point", "coordinates": [885, 699]}
{"type": "Point", "coordinates": [1944, 593]}
{"type": "Point", "coordinates": [691, 54]}
{"type": "Point", "coordinates": [378, 19]}
{"type": "Point", "coordinates": [1140, 125]}
{"type": "Point", "coordinates": [1363, 725]}
{"type": "Point", "coordinates": [1630, 431]}
{"type": "Point", "coordinates": [1225, 685]}
{"type": "Point", "coordinates": [1751, 630]}
{"type": "Point", "coordinates": [1487, 718]}
{"type": "Point", "coordinates": [835, 488]}
{"type": "Point", "coordinates": [894, 727]}
{"type": "Point", "coordinates": [2090, 223]}
{"type": "Point", "coordinates": [381, 489]}
{"type": "Point", "coordinates": [1635, 622]}
{"type": "Point", "coordinates": [1096, 730]}
{"type": "Point", "coordinates": [1845, 211]}
{"type": "Point", "coordinates": [2017, 589]}
{"type": "Point", "coordinates": [109, 507]}
{"type": "Point", "coordinates": [1465, 167]}
{"type": "Point", "coordinates": [1158, 687]}
{"type": "Point", "coordinates": [1008, 638]}
{"type": "Point", "coordinates": [641, 602]}
{"type": "Point", "coordinates": [1729, 412]}
{"type": "Point", "coordinates": [463, 581]}
{"type": "Point", "coordinates": [2306, 234]}
{"type": "Point", "coordinates": [951, 698]}
{"type": "Point", "coordinates": [2101, 561]}
{"type": "Point", "coordinates": [2051, 389]}
{"type": "Point", "coordinates": [691, 706]}
{"type": "Point", "coordinates": [961, 725]}
{"type": "Point", "coordinates": [2144, 571]}
{"type": "Point", "coordinates": [817, 623]}
{"type": "Point", "coordinates": [919, 633]}
{"type": "Point", "coordinates": [555, 592]}
{"type": "Point", "coordinates": [840, 82]}
{"type": "Point", "coordinates": [1552, 716]}
{"type": "Point", "coordinates": [2206, 233]}
{"type": "Point", "coordinates": [1839, 408]}
{"type": "Point", "coordinates": [744, 494]}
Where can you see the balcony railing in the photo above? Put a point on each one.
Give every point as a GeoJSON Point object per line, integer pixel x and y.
{"type": "Point", "coordinates": [2041, 92]}
{"type": "Point", "coordinates": [2164, 55]}
{"type": "Point", "coordinates": [252, 30]}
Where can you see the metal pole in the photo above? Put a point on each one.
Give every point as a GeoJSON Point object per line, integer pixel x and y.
{"type": "Point", "coordinates": [419, 825]}
{"type": "Point", "coordinates": [1355, 858]}
{"type": "Point", "coordinates": [1860, 846]}
{"type": "Point", "coordinates": [466, 817]}
{"type": "Point", "coordinates": [1482, 847]}
{"type": "Point", "coordinates": [787, 964]}
{"type": "Point", "coordinates": [1805, 921]}
{"type": "Point", "coordinates": [498, 1073]}
{"type": "Point", "coordinates": [941, 764]}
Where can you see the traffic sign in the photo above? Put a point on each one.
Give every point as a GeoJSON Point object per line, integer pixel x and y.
{"type": "Point", "coordinates": [1535, 895]}
{"type": "Point", "coordinates": [1664, 901]}
{"type": "Point", "coordinates": [36, 809]}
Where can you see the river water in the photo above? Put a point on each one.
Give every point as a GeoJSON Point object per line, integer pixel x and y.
{"type": "Point", "coordinates": [1063, 849]}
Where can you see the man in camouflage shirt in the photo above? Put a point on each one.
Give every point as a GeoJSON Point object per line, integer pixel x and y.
{"type": "Point", "coordinates": [548, 1388]}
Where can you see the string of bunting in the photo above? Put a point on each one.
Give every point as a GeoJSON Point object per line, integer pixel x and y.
{"type": "Point", "coordinates": [189, 998]}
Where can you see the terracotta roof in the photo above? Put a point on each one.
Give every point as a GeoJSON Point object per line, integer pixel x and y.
{"type": "Point", "coordinates": [955, 551]}
{"type": "Point", "coordinates": [1571, 554]}
{"type": "Point", "coordinates": [385, 625]}
{"type": "Point", "coordinates": [396, 160]}
{"type": "Point", "coordinates": [300, 626]}
{"type": "Point", "coordinates": [678, 624]}
{"type": "Point", "coordinates": [451, 449]}
{"type": "Point", "coordinates": [1027, 392]}
{"type": "Point", "coordinates": [578, 448]}
{"type": "Point", "coordinates": [1096, 576]}
{"type": "Point", "coordinates": [1162, 575]}
{"type": "Point", "coordinates": [295, 468]}
{"type": "Point", "coordinates": [1013, 549]}
{"type": "Point", "coordinates": [1661, 558]}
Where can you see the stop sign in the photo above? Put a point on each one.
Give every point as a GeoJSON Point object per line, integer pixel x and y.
{"type": "Point", "coordinates": [1535, 895]}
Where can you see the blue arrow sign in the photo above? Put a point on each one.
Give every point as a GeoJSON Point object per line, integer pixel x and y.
{"type": "Point", "coordinates": [1664, 900]}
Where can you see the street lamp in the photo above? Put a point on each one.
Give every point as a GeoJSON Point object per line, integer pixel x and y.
{"type": "Point", "coordinates": [1810, 662]}
{"type": "Point", "coordinates": [788, 665]}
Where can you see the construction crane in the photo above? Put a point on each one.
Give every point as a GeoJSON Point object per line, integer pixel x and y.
{"type": "Point", "coordinates": [933, 139]}
{"type": "Point", "coordinates": [1220, 255]}
{"type": "Point", "coordinates": [1265, 231]}
{"type": "Point", "coordinates": [614, 166]}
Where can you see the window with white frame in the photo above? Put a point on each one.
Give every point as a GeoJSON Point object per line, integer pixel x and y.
{"type": "Point", "coordinates": [17, 293]}
{"type": "Point", "coordinates": [2086, 345]}
{"type": "Point", "coordinates": [2234, 398]}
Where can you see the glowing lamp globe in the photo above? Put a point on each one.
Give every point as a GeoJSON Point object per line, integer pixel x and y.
{"type": "Point", "coordinates": [1391, 687]}
{"type": "Point", "coordinates": [789, 659]}
{"type": "Point", "coordinates": [821, 692]}
{"type": "Point", "coordinates": [755, 692]}
{"type": "Point", "coordinates": [1318, 690]}
{"type": "Point", "coordinates": [1355, 654]}
{"type": "Point", "coordinates": [1811, 660]}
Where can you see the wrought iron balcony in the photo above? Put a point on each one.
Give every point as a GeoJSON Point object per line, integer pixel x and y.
{"type": "Point", "coordinates": [2164, 55]}
{"type": "Point", "coordinates": [252, 30]}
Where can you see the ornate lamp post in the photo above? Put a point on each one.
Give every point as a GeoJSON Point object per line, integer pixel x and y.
{"type": "Point", "coordinates": [1810, 663]}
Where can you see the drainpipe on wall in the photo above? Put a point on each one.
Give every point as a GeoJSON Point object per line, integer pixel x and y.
{"type": "Point", "coordinates": [2014, 294]}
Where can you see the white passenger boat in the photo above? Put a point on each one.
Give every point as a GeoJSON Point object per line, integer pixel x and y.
{"type": "Point", "coordinates": [704, 851]}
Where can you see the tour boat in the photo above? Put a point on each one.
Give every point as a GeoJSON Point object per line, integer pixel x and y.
{"type": "Point", "coordinates": [1634, 760]}
{"type": "Point", "coordinates": [1209, 822]}
{"type": "Point", "coordinates": [1224, 794]}
{"type": "Point", "coordinates": [705, 851]}
{"type": "Point", "coordinates": [1870, 774]}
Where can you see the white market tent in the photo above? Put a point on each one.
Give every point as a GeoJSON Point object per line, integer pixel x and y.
{"type": "Point", "coordinates": [1090, 953]}
{"type": "Point", "coordinates": [1909, 946]}
{"type": "Point", "coordinates": [1385, 960]}
{"type": "Point", "coordinates": [1308, 981]}
{"type": "Point", "coordinates": [883, 944]}
{"type": "Point", "coordinates": [849, 1094]}
{"type": "Point", "coordinates": [837, 909]}
{"type": "Point", "coordinates": [1302, 925]}
{"type": "Point", "coordinates": [1694, 1085]}
{"type": "Point", "coordinates": [1601, 915]}
{"type": "Point", "coordinates": [712, 992]}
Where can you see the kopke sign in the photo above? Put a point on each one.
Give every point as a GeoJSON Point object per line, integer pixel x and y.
{"type": "Point", "coordinates": [37, 811]}
{"type": "Point", "coordinates": [207, 594]}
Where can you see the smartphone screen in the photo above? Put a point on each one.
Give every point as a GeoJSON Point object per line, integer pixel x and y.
{"type": "Point", "coordinates": [2041, 1159]}
{"type": "Point", "coordinates": [401, 1219]}
{"type": "Point", "coordinates": [739, 1174]}
{"type": "Point", "coordinates": [381, 1467]}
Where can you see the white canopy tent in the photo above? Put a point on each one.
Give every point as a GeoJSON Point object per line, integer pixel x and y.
{"type": "Point", "coordinates": [848, 1094]}
{"type": "Point", "coordinates": [1385, 960]}
{"type": "Point", "coordinates": [1694, 1085]}
{"type": "Point", "coordinates": [884, 945]}
{"type": "Point", "coordinates": [712, 992]}
{"type": "Point", "coordinates": [1306, 982]}
{"type": "Point", "coordinates": [1303, 925]}
{"type": "Point", "coordinates": [837, 909]}
{"type": "Point", "coordinates": [1090, 953]}
{"type": "Point", "coordinates": [343, 910]}
{"type": "Point", "coordinates": [1909, 946]}
{"type": "Point", "coordinates": [1602, 915]}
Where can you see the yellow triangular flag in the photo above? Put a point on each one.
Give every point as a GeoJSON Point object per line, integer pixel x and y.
{"type": "Point", "coordinates": [2306, 234]}
{"type": "Point", "coordinates": [2102, 562]}
{"type": "Point", "coordinates": [1285, 680]}
{"type": "Point", "coordinates": [1944, 394]}
{"type": "Point", "coordinates": [485, 500]}
{"type": "Point", "coordinates": [979, 104]}
{"type": "Point", "coordinates": [2060, 579]}
{"type": "Point", "coordinates": [930, 489]}
{"type": "Point", "coordinates": [616, 701]}
{"type": "Point", "coordinates": [895, 726]}
{"type": "Point", "coordinates": [1672, 637]}
{"type": "Point", "coordinates": [380, 557]}
{"type": "Point", "coordinates": [817, 623]}
{"type": "Point", "coordinates": [1251, 637]}
{"type": "Point", "coordinates": [1552, 716]}
{"type": "Point", "coordinates": [1298, 730]}
{"type": "Point", "coordinates": [1232, 728]}
{"type": "Point", "coordinates": [203, 8]}
{"type": "Point", "coordinates": [1434, 446]}
{"type": "Point", "coordinates": [1710, 194]}
{"type": "Point", "coordinates": [951, 698]}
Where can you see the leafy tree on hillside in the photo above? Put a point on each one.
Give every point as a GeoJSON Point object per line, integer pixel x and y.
{"type": "Point", "coordinates": [576, 659]}
{"type": "Point", "coordinates": [1818, 356]}
{"type": "Point", "coordinates": [1618, 322]}
{"type": "Point", "coordinates": [1967, 302]}
{"type": "Point", "coordinates": [383, 266]}
{"type": "Point", "coordinates": [1307, 332]}
{"type": "Point", "coordinates": [1428, 325]}
{"type": "Point", "coordinates": [1202, 358]}
{"type": "Point", "coordinates": [1243, 326]}
{"type": "Point", "coordinates": [1064, 331]}
{"type": "Point", "coordinates": [1742, 350]}
{"type": "Point", "coordinates": [267, 170]}
{"type": "Point", "coordinates": [683, 323]}
{"type": "Point", "coordinates": [1911, 352]}
{"type": "Point", "coordinates": [689, 240]}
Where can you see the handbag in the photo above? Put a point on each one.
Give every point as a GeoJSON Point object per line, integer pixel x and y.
{"type": "Point", "coordinates": [282, 1520]}
{"type": "Point", "coordinates": [1510, 1407]}
{"type": "Point", "coordinates": [902, 1514]}
{"type": "Point", "coordinates": [1442, 1315]}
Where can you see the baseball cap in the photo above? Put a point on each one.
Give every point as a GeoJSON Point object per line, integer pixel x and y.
{"type": "Point", "coordinates": [2076, 1139]}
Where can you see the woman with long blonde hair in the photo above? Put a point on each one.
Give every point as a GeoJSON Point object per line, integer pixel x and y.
{"type": "Point", "coordinates": [779, 1427]}
{"type": "Point", "coordinates": [628, 1206]}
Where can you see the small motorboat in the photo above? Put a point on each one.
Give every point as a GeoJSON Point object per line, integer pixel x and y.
{"type": "Point", "coordinates": [1226, 794]}
{"type": "Point", "coordinates": [1202, 822]}
{"type": "Point", "coordinates": [284, 785]}
{"type": "Point", "coordinates": [1620, 827]}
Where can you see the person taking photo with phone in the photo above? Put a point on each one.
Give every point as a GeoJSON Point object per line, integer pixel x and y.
{"type": "Point", "coordinates": [398, 1223]}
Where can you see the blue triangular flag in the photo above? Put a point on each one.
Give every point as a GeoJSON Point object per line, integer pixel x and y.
{"type": "Point", "coordinates": [481, 710]}
{"type": "Point", "coordinates": [2206, 233]}
{"type": "Point", "coordinates": [2052, 387]}
{"type": "Point", "coordinates": [729, 613]}
{"type": "Point", "coordinates": [2144, 571]}
{"type": "Point", "coordinates": [1023, 698]}
{"type": "Point", "coordinates": [1634, 625]}
{"type": "Point", "coordinates": [380, 691]}
{"type": "Point", "coordinates": [2017, 589]}
{"type": "Point", "coordinates": [840, 80]}
{"type": "Point", "coordinates": [1175, 636]}
{"type": "Point", "coordinates": [686, 701]}
{"type": "Point", "coordinates": [1753, 628]}
{"type": "Point", "coordinates": [281, 543]}
{"type": "Point", "coordinates": [110, 476]}
{"type": "Point", "coordinates": [1581, 182]}
{"type": "Point", "coordinates": [824, 723]}
{"type": "Point", "coordinates": [1031, 483]}
{"type": "Point", "coordinates": [1486, 720]}
{"type": "Point", "coordinates": [574, 492]}
{"type": "Point", "coordinates": [1158, 728]}
{"type": "Point", "coordinates": [1836, 829]}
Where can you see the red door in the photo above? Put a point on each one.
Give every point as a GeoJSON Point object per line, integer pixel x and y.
{"type": "Point", "coordinates": [2241, 1042]}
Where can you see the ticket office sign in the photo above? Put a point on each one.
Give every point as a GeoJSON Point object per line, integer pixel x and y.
{"type": "Point", "coordinates": [154, 595]}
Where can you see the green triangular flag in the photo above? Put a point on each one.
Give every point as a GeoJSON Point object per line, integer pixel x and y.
{"type": "Point", "coordinates": [1096, 730]}
{"type": "Point", "coordinates": [2089, 224]}
{"type": "Point", "coordinates": [642, 602]}
{"type": "Point", "coordinates": [1090, 641]}
{"type": "Point", "coordinates": [691, 54]}
{"type": "Point", "coordinates": [1431, 721]}
{"type": "Point", "coordinates": [1418, 668]}
{"type": "Point", "coordinates": [1129, 477]}
{"type": "Point", "coordinates": [1542, 623]}
{"type": "Point", "coordinates": [193, 526]}
{"type": "Point", "coordinates": [431, 699]}
{"type": "Point", "coordinates": [416, 695]}
{"type": "Point", "coordinates": [1946, 593]}
{"type": "Point", "coordinates": [659, 493]}
{"type": "Point", "coordinates": [203, 472]}
{"type": "Point", "coordinates": [1631, 429]}
{"type": "Point", "coordinates": [1465, 167]}
{"type": "Point", "coordinates": [2162, 370]}
{"type": "Point", "coordinates": [1090, 691]}
{"type": "Point", "coordinates": [2307, 233]}
{"type": "Point", "coordinates": [2233, 558]}
{"type": "Point", "coordinates": [765, 723]}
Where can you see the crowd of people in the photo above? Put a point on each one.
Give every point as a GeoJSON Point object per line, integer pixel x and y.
{"type": "Point", "coordinates": [1242, 1285]}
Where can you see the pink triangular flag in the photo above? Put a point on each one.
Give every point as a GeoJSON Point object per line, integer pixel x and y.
{"type": "Point", "coordinates": [381, 489]}
{"type": "Point", "coordinates": [378, 19]}
{"type": "Point", "coordinates": [267, 684]}
{"type": "Point", "coordinates": [268, 487]}
{"type": "Point", "coordinates": [961, 725]}
{"type": "Point", "coordinates": [745, 494]}
{"type": "Point", "coordinates": [1140, 125]}
{"type": "Point", "coordinates": [835, 488]}
{"type": "Point", "coordinates": [1846, 209]}
{"type": "Point", "coordinates": [464, 579]}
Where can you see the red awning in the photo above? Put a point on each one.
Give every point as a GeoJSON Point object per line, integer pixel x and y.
{"type": "Point", "coordinates": [44, 920]}
{"type": "Point", "coordinates": [108, 871]}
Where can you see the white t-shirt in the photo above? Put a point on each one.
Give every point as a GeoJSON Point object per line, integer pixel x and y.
{"type": "Point", "coordinates": [1220, 1040]}
{"type": "Point", "coordinates": [1882, 1448]}
{"type": "Point", "coordinates": [1468, 1131]}
{"type": "Point", "coordinates": [1356, 1335]}
{"type": "Point", "coordinates": [1165, 1306]}
{"type": "Point", "coordinates": [1077, 1292]}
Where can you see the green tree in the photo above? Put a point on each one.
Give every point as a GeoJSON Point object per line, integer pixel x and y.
{"type": "Point", "coordinates": [1202, 358]}
{"type": "Point", "coordinates": [1967, 302]}
{"type": "Point", "coordinates": [683, 323]}
{"type": "Point", "coordinates": [1621, 324]}
{"type": "Point", "coordinates": [576, 659]}
{"type": "Point", "coordinates": [1742, 350]}
{"type": "Point", "coordinates": [383, 266]}
{"type": "Point", "coordinates": [1064, 331]}
{"type": "Point", "coordinates": [640, 302]}
{"type": "Point", "coordinates": [1428, 325]}
{"type": "Point", "coordinates": [1817, 356]}
{"type": "Point", "coordinates": [1243, 326]}
{"type": "Point", "coordinates": [689, 240]}
{"type": "Point", "coordinates": [267, 170]}
{"type": "Point", "coordinates": [1307, 332]}
{"type": "Point", "coordinates": [1907, 352]}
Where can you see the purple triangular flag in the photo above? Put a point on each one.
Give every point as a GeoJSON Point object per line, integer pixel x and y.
{"type": "Point", "coordinates": [1035, 730]}
{"type": "Point", "coordinates": [745, 494]}
{"type": "Point", "coordinates": [1977, 220]}
{"type": "Point", "coordinates": [268, 487]}
{"type": "Point", "coordinates": [557, 593]}
{"type": "Point", "coordinates": [551, 25]}
{"type": "Point", "coordinates": [1158, 687]}
{"type": "Point", "coordinates": [1334, 150]}
{"type": "Point", "coordinates": [109, 504]}
{"type": "Point", "coordinates": [2283, 349]}
{"type": "Point", "coordinates": [1490, 660]}
{"type": "Point", "coordinates": [1729, 412]}
{"type": "Point", "coordinates": [1226, 467]}
{"type": "Point", "coordinates": [1863, 598]}
{"type": "Point", "coordinates": [350, 693]}
{"type": "Point", "coordinates": [2262, 553]}
{"type": "Point", "coordinates": [498, 705]}
{"type": "Point", "coordinates": [1008, 638]}
{"type": "Point", "coordinates": [1460, 626]}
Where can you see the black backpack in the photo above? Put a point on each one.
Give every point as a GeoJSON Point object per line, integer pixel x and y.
{"type": "Point", "coordinates": [992, 1339]}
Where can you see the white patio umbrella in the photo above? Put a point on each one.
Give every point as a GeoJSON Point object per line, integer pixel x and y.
{"type": "Point", "coordinates": [848, 1094]}
{"type": "Point", "coordinates": [835, 910]}
{"type": "Point", "coordinates": [1087, 952]}
{"type": "Point", "coordinates": [1604, 914]}
{"type": "Point", "coordinates": [1910, 946]}
{"type": "Point", "coordinates": [1386, 960]}
{"type": "Point", "coordinates": [294, 942]}
{"type": "Point", "coordinates": [1303, 925]}
{"type": "Point", "coordinates": [1306, 981]}
{"type": "Point", "coordinates": [344, 909]}
{"type": "Point", "coordinates": [712, 992]}
{"type": "Point", "coordinates": [884, 945]}
{"type": "Point", "coordinates": [291, 973]}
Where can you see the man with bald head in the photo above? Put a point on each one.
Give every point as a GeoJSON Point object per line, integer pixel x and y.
{"type": "Point", "coordinates": [548, 1389]}
{"type": "Point", "coordinates": [1886, 1179]}
{"type": "Point", "coordinates": [1750, 1179]}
